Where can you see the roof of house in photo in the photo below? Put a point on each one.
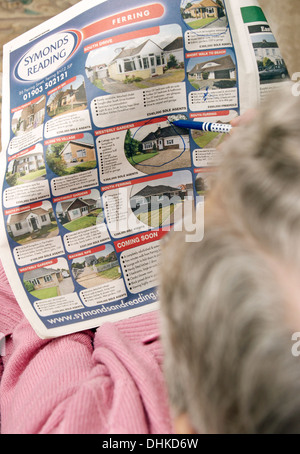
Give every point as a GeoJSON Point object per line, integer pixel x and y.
{"type": "Point", "coordinates": [176, 44]}
{"type": "Point", "coordinates": [40, 272]}
{"type": "Point", "coordinates": [208, 3]}
{"type": "Point", "coordinates": [168, 131]}
{"type": "Point", "coordinates": [155, 190]}
{"type": "Point", "coordinates": [18, 217]}
{"type": "Point", "coordinates": [79, 202]}
{"type": "Point", "coordinates": [264, 43]}
{"type": "Point", "coordinates": [134, 50]}
{"type": "Point", "coordinates": [76, 142]}
{"type": "Point", "coordinates": [220, 64]}
{"type": "Point", "coordinates": [204, 4]}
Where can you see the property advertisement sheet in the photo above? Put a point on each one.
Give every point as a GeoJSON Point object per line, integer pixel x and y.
{"type": "Point", "coordinates": [93, 171]}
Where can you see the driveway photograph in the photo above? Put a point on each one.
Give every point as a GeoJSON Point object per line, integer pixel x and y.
{"type": "Point", "coordinates": [143, 62]}
{"type": "Point", "coordinates": [158, 147]}
{"type": "Point", "coordinates": [97, 268]}
{"type": "Point", "coordinates": [213, 73]}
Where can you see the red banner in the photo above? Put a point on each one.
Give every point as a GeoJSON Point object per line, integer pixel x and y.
{"type": "Point", "coordinates": [217, 113]}
{"type": "Point", "coordinates": [138, 180]}
{"type": "Point", "coordinates": [205, 53]}
{"type": "Point", "coordinates": [130, 17]}
{"type": "Point", "coordinates": [72, 196]}
{"type": "Point", "coordinates": [38, 266]}
{"type": "Point", "coordinates": [138, 240]}
{"type": "Point", "coordinates": [86, 252]}
{"type": "Point", "coordinates": [137, 124]}
{"type": "Point", "coordinates": [29, 103]}
{"type": "Point", "coordinates": [63, 139]}
{"type": "Point", "coordinates": [23, 208]}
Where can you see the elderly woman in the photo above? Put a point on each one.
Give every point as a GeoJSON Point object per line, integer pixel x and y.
{"type": "Point", "coordinates": [231, 302]}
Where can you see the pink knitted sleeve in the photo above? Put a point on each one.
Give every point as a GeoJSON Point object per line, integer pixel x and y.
{"type": "Point", "coordinates": [10, 313]}
{"type": "Point", "coordinates": [110, 382]}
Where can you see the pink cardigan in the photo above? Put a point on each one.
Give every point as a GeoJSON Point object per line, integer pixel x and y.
{"type": "Point", "coordinates": [106, 382]}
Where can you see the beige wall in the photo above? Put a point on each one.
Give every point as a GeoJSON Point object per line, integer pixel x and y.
{"type": "Point", "coordinates": [284, 19]}
{"type": "Point", "coordinates": [90, 152]}
{"type": "Point", "coordinates": [73, 148]}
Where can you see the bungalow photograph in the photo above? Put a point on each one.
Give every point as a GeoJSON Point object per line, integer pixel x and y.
{"type": "Point", "coordinates": [213, 73]}
{"type": "Point", "coordinates": [27, 167]}
{"type": "Point", "coordinates": [270, 63]}
{"type": "Point", "coordinates": [80, 212]}
{"type": "Point", "coordinates": [49, 282]}
{"type": "Point", "coordinates": [141, 63]}
{"type": "Point", "coordinates": [158, 147]}
{"type": "Point", "coordinates": [30, 117]}
{"type": "Point", "coordinates": [205, 13]}
{"type": "Point", "coordinates": [158, 203]}
{"type": "Point", "coordinates": [71, 98]}
{"type": "Point", "coordinates": [33, 224]}
{"type": "Point", "coordinates": [72, 156]}
{"type": "Point", "coordinates": [97, 268]}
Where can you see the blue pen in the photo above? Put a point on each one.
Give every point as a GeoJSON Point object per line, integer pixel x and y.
{"type": "Point", "coordinates": [203, 126]}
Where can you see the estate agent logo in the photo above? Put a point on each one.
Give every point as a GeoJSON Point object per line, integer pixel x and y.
{"type": "Point", "coordinates": [48, 55]}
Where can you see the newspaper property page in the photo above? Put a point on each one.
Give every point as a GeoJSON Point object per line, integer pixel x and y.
{"type": "Point", "coordinates": [93, 172]}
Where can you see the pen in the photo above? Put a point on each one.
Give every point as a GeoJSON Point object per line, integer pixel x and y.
{"type": "Point", "coordinates": [203, 126]}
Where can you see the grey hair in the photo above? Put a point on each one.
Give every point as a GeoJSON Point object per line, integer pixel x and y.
{"type": "Point", "coordinates": [225, 325]}
{"type": "Point", "coordinates": [258, 181]}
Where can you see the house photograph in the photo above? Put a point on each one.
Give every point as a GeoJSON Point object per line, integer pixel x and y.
{"type": "Point", "coordinates": [204, 13]}
{"type": "Point", "coordinates": [30, 117]}
{"type": "Point", "coordinates": [49, 282]}
{"type": "Point", "coordinates": [97, 268]}
{"type": "Point", "coordinates": [158, 147]}
{"type": "Point", "coordinates": [33, 224]}
{"type": "Point", "coordinates": [213, 73]}
{"type": "Point", "coordinates": [141, 63]}
{"type": "Point", "coordinates": [71, 98]}
{"type": "Point", "coordinates": [28, 167]}
{"type": "Point", "coordinates": [80, 212]}
{"type": "Point", "coordinates": [72, 156]}
{"type": "Point", "coordinates": [270, 63]}
{"type": "Point", "coordinates": [158, 203]}
{"type": "Point", "coordinates": [76, 151]}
